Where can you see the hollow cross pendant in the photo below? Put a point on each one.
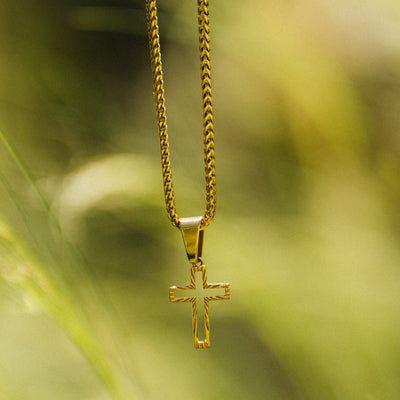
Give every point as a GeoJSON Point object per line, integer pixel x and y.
{"type": "Point", "coordinates": [199, 344]}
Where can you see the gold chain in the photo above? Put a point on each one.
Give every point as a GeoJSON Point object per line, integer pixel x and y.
{"type": "Point", "coordinates": [208, 124]}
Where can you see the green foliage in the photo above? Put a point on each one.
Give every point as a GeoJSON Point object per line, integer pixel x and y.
{"type": "Point", "coordinates": [306, 100]}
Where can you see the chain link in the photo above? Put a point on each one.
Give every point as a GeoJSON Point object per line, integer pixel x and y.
{"type": "Point", "coordinates": [208, 123]}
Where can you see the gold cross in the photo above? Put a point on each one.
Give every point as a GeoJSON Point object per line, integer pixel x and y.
{"type": "Point", "coordinates": [199, 344]}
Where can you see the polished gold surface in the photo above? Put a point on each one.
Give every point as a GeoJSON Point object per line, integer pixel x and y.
{"type": "Point", "coordinates": [208, 124]}
{"type": "Point", "coordinates": [193, 235]}
{"type": "Point", "coordinates": [199, 344]}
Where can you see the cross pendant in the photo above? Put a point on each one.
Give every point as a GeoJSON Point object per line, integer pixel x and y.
{"type": "Point", "coordinates": [199, 344]}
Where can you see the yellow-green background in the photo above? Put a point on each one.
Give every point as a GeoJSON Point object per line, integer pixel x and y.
{"type": "Point", "coordinates": [307, 117]}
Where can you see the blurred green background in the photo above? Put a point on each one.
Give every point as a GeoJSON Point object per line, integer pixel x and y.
{"type": "Point", "coordinates": [307, 115]}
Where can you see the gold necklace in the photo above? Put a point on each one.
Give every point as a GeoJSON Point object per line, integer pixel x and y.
{"type": "Point", "coordinates": [192, 228]}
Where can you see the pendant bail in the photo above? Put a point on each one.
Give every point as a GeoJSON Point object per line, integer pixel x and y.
{"type": "Point", "coordinates": [193, 235]}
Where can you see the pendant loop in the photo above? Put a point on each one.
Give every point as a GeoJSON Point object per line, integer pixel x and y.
{"type": "Point", "coordinates": [193, 235]}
